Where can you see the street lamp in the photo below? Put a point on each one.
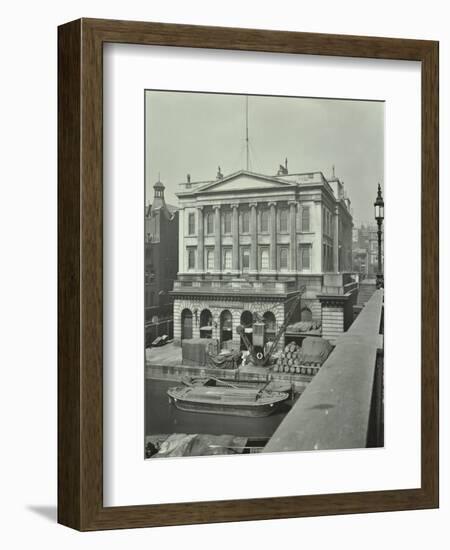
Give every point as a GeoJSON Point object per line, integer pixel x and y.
{"type": "Point", "coordinates": [379, 216]}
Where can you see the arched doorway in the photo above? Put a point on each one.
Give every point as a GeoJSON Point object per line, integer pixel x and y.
{"type": "Point", "coordinates": [270, 326]}
{"type": "Point", "coordinates": [205, 324]}
{"type": "Point", "coordinates": [186, 324]}
{"type": "Point", "coordinates": [226, 326]}
{"type": "Point", "coordinates": [305, 314]}
{"type": "Point", "coordinates": [247, 324]}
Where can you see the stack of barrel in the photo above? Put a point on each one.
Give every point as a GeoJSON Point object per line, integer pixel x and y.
{"type": "Point", "coordinates": [290, 360]}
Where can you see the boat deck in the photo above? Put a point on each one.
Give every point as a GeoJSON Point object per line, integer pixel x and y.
{"type": "Point", "coordinates": [232, 396]}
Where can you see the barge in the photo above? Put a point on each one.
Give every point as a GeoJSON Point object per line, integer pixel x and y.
{"type": "Point", "coordinates": [232, 400]}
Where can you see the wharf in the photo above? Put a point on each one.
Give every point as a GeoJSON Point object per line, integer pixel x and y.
{"type": "Point", "coordinates": [165, 363]}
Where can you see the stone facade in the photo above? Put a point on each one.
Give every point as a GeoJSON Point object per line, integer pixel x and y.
{"type": "Point", "coordinates": [249, 242]}
{"type": "Point", "coordinates": [196, 306]}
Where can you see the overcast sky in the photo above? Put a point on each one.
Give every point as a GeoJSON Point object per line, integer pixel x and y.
{"type": "Point", "coordinates": [195, 133]}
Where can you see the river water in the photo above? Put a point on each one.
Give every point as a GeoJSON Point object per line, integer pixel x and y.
{"type": "Point", "coordinates": [161, 417]}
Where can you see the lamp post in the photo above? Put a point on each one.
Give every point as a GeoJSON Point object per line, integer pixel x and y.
{"type": "Point", "coordinates": [379, 216]}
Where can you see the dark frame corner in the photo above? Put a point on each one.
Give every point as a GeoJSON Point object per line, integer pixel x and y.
{"type": "Point", "coordinates": [80, 475]}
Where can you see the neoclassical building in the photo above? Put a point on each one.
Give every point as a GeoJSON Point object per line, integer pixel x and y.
{"type": "Point", "coordinates": [247, 242]}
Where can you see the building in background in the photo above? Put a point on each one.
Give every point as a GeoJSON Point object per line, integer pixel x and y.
{"type": "Point", "coordinates": [161, 264]}
{"type": "Point", "coordinates": [248, 242]}
{"type": "Point", "coordinates": [365, 251]}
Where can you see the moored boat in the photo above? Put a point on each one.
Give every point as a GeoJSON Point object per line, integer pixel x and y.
{"type": "Point", "coordinates": [233, 401]}
{"type": "Point", "coordinates": [270, 385]}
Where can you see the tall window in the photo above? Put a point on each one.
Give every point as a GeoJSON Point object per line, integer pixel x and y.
{"type": "Point", "coordinates": [264, 220]}
{"type": "Point", "coordinates": [305, 219]}
{"type": "Point", "coordinates": [284, 220]}
{"type": "Point", "coordinates": [245, 257]}
{"type": "Point", "coordinates": [209, 259]}
{"type": "Point", "coordinates": [227, 222]}
{"type": "Point", "coordinates": [191, 223]}
{"type": "Point", "coordinates": [227, 259]}
{"type": "Point", "coordinates": [210, 223]}
{"type": "Point", "coordinates": [305, 257]}
{"type": "Point", "coordinates": [264, 259]}
{"type": "Point", "coordinates": [191, 257]}
{"type": "Point", "coordinates": [283, 257]}
{"type": "Point", "coordinates": [245, 221]}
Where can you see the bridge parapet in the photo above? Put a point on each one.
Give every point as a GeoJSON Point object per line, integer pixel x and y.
{"type": "Point", "coordinates": [342, 406]}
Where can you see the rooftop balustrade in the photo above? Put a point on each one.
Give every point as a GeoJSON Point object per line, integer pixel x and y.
{"type": "Point", "coordinates": [239, 285]}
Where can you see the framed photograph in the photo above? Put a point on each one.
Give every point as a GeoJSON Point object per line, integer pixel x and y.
{"type": "Point", "coordinates": [248, 274]}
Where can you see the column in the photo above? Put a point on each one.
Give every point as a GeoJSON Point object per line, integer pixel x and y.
{"type": "Point", "coordinates": [200, 239]}
{"type": "Point", "coordinates": [217, 233]}
{"type": "Point", "coordinates": [317, 254]}
{"type": "Point", "coordinates": [293, 233]}
{"type": "Point", "coordinates": [235, 235]}
{"type": "Point", "coordinates": [273, 236]}
{"type": "Point", "coordinates": [336, 241]}
{"type": "Point", "coordinates": [254, 237]}
{"type": "Point", "coordinates": [182, 260]}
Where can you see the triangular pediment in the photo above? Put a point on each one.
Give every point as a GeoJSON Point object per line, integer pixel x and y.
{"type": "Point", "coordinates": [243, 181]}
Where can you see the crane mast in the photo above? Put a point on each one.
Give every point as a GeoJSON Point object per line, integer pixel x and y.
{"type": "Point", "coordinates": [263, 359]}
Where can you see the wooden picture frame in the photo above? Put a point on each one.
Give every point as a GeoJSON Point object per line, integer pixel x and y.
{"type": "Point", "coordinates": [80, 271]}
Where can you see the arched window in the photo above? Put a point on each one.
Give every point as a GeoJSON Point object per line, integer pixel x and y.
{"type": "Point", "coordinates": [205, 324]}
{"type": "Point", "coordinates": [246, 319]}
{"type": "Point", "coordinates": [226, 326]}
{"type": "Point", "coordinates": [269, 321]}
{"type": "Point", "coordinates": [205, 318]}
{"type": "Point", "coordinates": [305, 314]}
{"type": "Point", "coordinates": [186, 324]}
{"type": "Point", "coordinates": [247, 324]}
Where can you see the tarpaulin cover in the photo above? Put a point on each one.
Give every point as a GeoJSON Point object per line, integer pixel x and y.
{"type": "Point", "coordinates": [228, 360]}
{"type": "Point", "coordinates": [314, 350]}
{"type": "Point", "coordinates": [200, 445]}
{"type": "Point", "coordinates": [194, 351]}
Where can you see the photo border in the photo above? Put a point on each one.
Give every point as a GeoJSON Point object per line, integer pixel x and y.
{"type": "Point", "coordinates": [80, 274]}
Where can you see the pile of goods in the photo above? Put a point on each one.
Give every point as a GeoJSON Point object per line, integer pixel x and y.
{"type": "Point", "coordinates": [195, 351]}
{"type": "Point", "coordinates": [303, 360]}
{"type": "Point", "coordinates": [160, 341]}
{"type": "Point", "coordinates": [225, 360]}
{"type": "Point", "coordinates": [305, 326]}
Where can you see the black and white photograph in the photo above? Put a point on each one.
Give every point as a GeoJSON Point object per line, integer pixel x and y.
{"type": "Point", "coordinates": [264, 273]}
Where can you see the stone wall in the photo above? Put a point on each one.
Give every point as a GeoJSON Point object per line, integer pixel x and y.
{"type": "Point", "coordinates": [332, 322]}
{"type": "Point", "coordinates": [216, 307]}
{"type": "Point", "coordinates": [337, 314]}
